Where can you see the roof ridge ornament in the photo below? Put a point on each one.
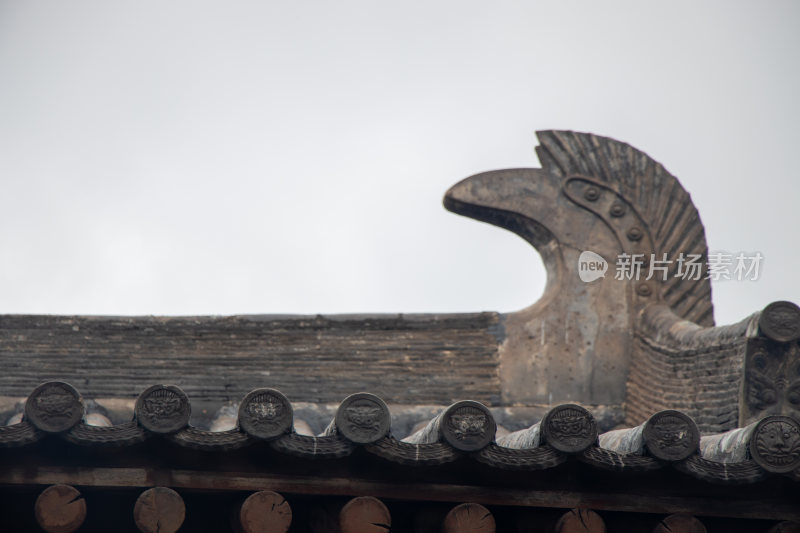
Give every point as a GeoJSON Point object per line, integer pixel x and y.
{"type": "Point", "coordinates": [646, 207]}
{"type": "Point", "coordinates": [625, 341]}
{"type": "Point", "coordinates": [592, 194]}
{"type": "Point", "coordinates": [663, 209]}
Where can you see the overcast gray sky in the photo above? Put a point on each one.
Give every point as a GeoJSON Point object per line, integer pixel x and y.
{"type": "Point", "coordinates": [290, 157]}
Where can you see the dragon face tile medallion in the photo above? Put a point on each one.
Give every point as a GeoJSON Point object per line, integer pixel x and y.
{"type": "Point", "coordinates": [363, 418]}
{"type": "Point", "coordinates": [775, 444]}
{"type": "Point", "coordinates": [468, 426]}
{"type": "Point", "coordinates": [266, 414]}
{"type": "Point", "coordinates": [569, 428]}
{"type": "Point", "coordinates": [671, 436]}
{"type": "Point", "coordinates": [163, 409]}
{"type": "Point", "coordinates": [54, 407]}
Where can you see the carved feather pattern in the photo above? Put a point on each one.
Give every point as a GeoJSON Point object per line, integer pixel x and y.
{"type": "Point", "coordinates": [665, 206]}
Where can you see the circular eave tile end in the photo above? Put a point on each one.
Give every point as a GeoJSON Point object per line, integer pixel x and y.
{"type": "Point", "coordinates": [266, 414]}
{"type": "Point", "coordinates": [363, 418]}
{"type": "Point", "coordinates": [163, 409]}
{"type": "Point", "coordinates": [54, 407]}
{"type": "Point", "coordinates": [775, 444]}
{"type": "Point", "coordinates": [569, 428]}
{"type": "Point", "coordinates": [780, 321]}
{"type": "Point", "coordinates": [468, 426]}
{"type": "Point", "coordinates": [671, 436]}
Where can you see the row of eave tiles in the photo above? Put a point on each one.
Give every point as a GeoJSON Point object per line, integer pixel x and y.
{"type": "Point", "coordinates": [463, 429]}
